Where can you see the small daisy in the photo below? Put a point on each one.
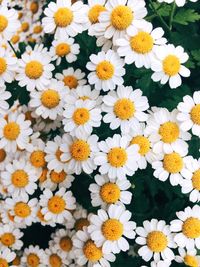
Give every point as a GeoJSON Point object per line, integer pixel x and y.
{"type": "Point", "coordinates": [168, 65]}
{"type": "Point", "coordinates": [156, 240]}
{"type": "Point", "coordinates": [179, 3]}
{"type": "Point", "coordinates": [53, 258]}
{"type": "Point", "coordinates": [188, 257]}
{"type": "Point", "coordinates": [10, 237]}
{"type": "Point", "coordinates": [187, 228]}
{"type": "Point", "coordinates": [106, 191]}
{"type": "Point", "coordinates": [124, 107]}
{"type": "Point", "coordinates": [6, 257]}
{"type": "Point", "coordinates": [189, 113]}
{"type": "Point", "coordinates": [37, 31]}
{"type": "Point", "coordinates": [56, 206]}
{"type": "Point", "coordinates": [95, 9]}
{"type": "Point", "coordinates": [87, 253]}
{"type": "Point", "coordinates": [81, 218]}
{"type": "Point", "coordinates": [85, 92]}
{"type": "Point", "coordinates": [108, 229]}
{"type": "Point", "coordinates": [106, 70]}
{"type": "Point", "coordinates": [116, 157]}
{"type": "Point", "coordinates": [33, 256]}
{"type": "Point", "coordinates": [4, 95]}
{"type": "Point", "coordinates": [40, 218]}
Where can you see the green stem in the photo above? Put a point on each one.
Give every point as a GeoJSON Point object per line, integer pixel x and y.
{"type": "Point", "coordinates": [13, 49]}
{"type": "Point", "coordinates": [172, 15]}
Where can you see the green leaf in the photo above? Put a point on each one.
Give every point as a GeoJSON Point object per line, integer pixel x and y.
{"type": "Point", "coordinates": [185, 16]}
{"type": "Point", "coordinates": [196, 56]}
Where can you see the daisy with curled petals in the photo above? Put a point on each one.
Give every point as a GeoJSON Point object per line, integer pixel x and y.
{"type": "Point", "coordinates": [64, 48]}
{"type": "Point", "coordinates": [53, 258]}
{"type": "Point", "coordinates": [108, 229]}
{"type": "Point", "coordinates": [10, 237]}
{"type": "Point", "coordinates": [80, 116]}
{"type": "Point", "coordinates": [156, 240]}
{"type": "Point", "coordinates": [65, 18]}
{"type": "Point", "coordinates": [4, 95]}
{"type": "Point", "coordinates": [189, 113]}
{"type": "Point", "coordinates": [56, 206]}
{"type": "Point", "coordinates": [168, 65]}
{"type": "Point", "coordinates": [14, 132]}
{"type": "Point", "coordinates": [106, 191]}
{"type": "Point", "coordinates": [78, 153]}
{"type": "Point", "coordinates": [6, 257]}
{"type": "Point", "coordinates": [106, 69]}
{"type": "Point", "coordinates": [124, 107]}
{"type": "Point", "coordinates": [187, 228]}
{"type": "Point", "coordinates": [34, 70]}
{"type": "Point", "coordinates": [95, 9]}
{"type": "Point", "coordinates": [33, 256]}
{"type": "Point", "coordinates": [165, 133]}
{"type": "Point", "coordinates": [188, 257]}
{"type": "Point", "coordinates": [116, 157]}
{"type": "Point", "coordinates": [87, 253]}
{"type": "Point", "coordinates": [140, 45]}
{"type": "Point", "coordinates": [48, 102]}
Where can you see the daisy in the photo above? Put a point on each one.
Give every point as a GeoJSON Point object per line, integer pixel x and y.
{"type": "Point", "coordinates": [140, 46]}
{"type": "Point", "coordinates": [4, 95]}
{"type": "Point", "coordinates": [116, 157]}
{"type": "Point", "coordinates": [156, 240]}
{"type": "Point", "coordinates": [10, 237]}
{"type": "Point", "coordinates": [65, 18]}
{"type": "Point", "coordinates": [33, 256]}
{"type": "Point", "coordinates": [14, 132]}
{"type": "Point", "coordinates": [19, 178]}
{"type": "Point", "coordinates": [189, 111]}
{"type": "Point", "coordinates": [81, 218]}
{"type": "Point", "coordinates": [87, 253]}
{"type": "Point", "coordinates": [56, 206]}
{"type": "Point", "coordinates": [95, 9]}
{"type": "Point", "coordinates": [168, 65]}
{"type": "Point", "coordinates": [80, 116]}
{"type": "Point", "coordinates": [71, 78]}
{"type": "Point", "coordinates": [6, 256]}
{"type": "Point", "coordinates": [37, 31]}
{"type": "Point", "coordinates": [46, 125]}
{"type": "Point", "coordinates": [188, 257]}
{"type": "Point", "coordinates": [48, 102]}
{"type": "Point", "coordinates": [108, 229]}
{"type": "Point", "coordinates": [106, 70]}
{"type": "Point", "coordinates": [85, 92]}
{"type": "Point", "coordinates": [179, 3]}
{"type": "Point", "coordinates": [34, 70]}
{"type": "Point", "coordinates": [106, 191]}
{"type": "Point", "coordinates": [124, 107]}
{"type": "Point", "coordinates": [40, 218]}
{"type": "Point", "coordinates": [187, 228]}
{"type": "Point", "coordinates": [64, 48]}
{"type": "Point", "coordinates": [53, 258]}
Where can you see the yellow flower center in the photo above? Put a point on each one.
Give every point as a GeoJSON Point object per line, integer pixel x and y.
{"type": "Point", "coordinates": [62, 49]}
{"type": "Point", "coordinates": [63, 17]}
{"type": "Point", "coordinates": [24, 26]}
{"type": "Point", "coordinates": [56, 204]}
{"type": "Point", "coordinates": [37, 159]}
{"type": "Point", "coordinates": [121, 17]}
{"type": "Point", "coordinates": [91, 251]}
{"type": "Point", "coordinates": [169, 132]}
{"type": "Point", "coordinates": [173, 162]}
{"type": "Point", "coordinates": [34, 7]}
{"type": "Point", "coordinates": [22, 209]}
{"type": "Point", "coordinates": [50, 98]}
{"type": "Point", "coordinates": [15, 39]}
{"type": "Point", "coordinates": [80, 150]}
{"type": "Point", "coordinates": [195, 114]}
{"type": "Point", "coordinates": [105, 70]}
{"type": "Point", "coordinates": [3, 23]}
{"type": "Point", "coordinates": [34, 69]}
{"type": "Point", "coordinates": [80, 223]}
{"type": "Point", "coordinates": [124, 109]}
{"type": "Point", "coordinates": [37, 29]}
{"type": "Point", "coordinates": [2, 155]}
{"type": "Point", "coordinates": [110, 193]}
{"type": "Point", "coordinates": [117, 157]}
{"type": "Point", "coordinates": [33, 260]}
{"type": "Point", "coordinates": [19, 178]}
{"type": "Point", "coordinates": [7, 239]}
{"type": "Point", "coordinates": [94, 13]}
{"type": "Point", "coordinates": [112, 229]}
{"type": "Point", "coordinates": [16, 261]}
{"type": "Point", "coordinates": [191, 261]}
{"type": "Point", "coordinates": [141, 43]}
{"type": "Point", "coordinates": [57, 177]}
{"type": "Point", "coordinates": [84, 97]}
{"type": "Point", "coordinates": [81, 116]}
{"type": "Point", "coordinates": [156, 241]}
{"type": "Point", "coordinates": [171, 65]}
{"type": "Point", "coordinates": [11, 131]}
{"type": "Point", "coordinates": [70, 81]}
{"type": "Point", "coordinates": [191, 228]}
{"type": "Point", "coordinates": [3, 263]}
{"type": "Point", "coordinates": [43, 175]}
{"type": "Point", "coordinates": [3, 65]}
{"type": "Point", "coordinates": [196, 180]}
{"type": "Point", "coordinates": [40, 216]}
{"type": "Point", "coordinates": [66, 243]}
{"type": "Point", "coordinates": [55, 261]}
{"type": "Point", "coordinates": [20, 15]}
{"type": "Point", "coordinates": [143, 143]}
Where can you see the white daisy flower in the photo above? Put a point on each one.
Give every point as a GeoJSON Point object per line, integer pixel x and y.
{"type": "Point", "coordinates": [46, 125]}
{"type": "Point", "coordinates": [85, 92]}
{"type": "Point", "coordinates": [95, 9]}
{"type": "Point", "coordinates": [116, 157]}
{"type": "Point", "coordinates": [87, 253]}
{"type": "Point", "coordinates": [188, 257]}
{"type": "Point", "coordinates": [187, 228]}
{"type": "Point", "coordinates": [6, 257]}
{"type": "Point", "coordinates": [5, 158]}
{"type": "Point", "coordinates": [10, 237]}
{"type": "Point", "coordinates": [156, 240]}
{"type": "Point", "coordinates": [4, 95]}
{"type": "Point", "coordinates": [109, 228]}
{"type": "Point", "coordinates": [179, 3]}
{"type": "Point", "coordinates": [124, 107]}
{"type": "Point", "coordinates": [40, 218]}
{"type": "Point", "coordinates": [56, 206]}
{"type": "Point", "coordinates": [33, 256]}
{"type": "Point", "coordinates": [106, 70]}
{"type": "Point", "coordinates": [37, 30]}
{"type": "Point", "coordinates": [65, 18]}
{"type": "Point", "coordinates": [81, 218]}
{"type": "Point", "coordinates": [168, 65]}
{"type": "Point", "coordinates": [53, 258]}
{"type": "Point", "coordinates": [139, 47]}
{"type": "Point", "coordinates": [189, 113]}
{"type": "Point", "coordinates": [106, 191]}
